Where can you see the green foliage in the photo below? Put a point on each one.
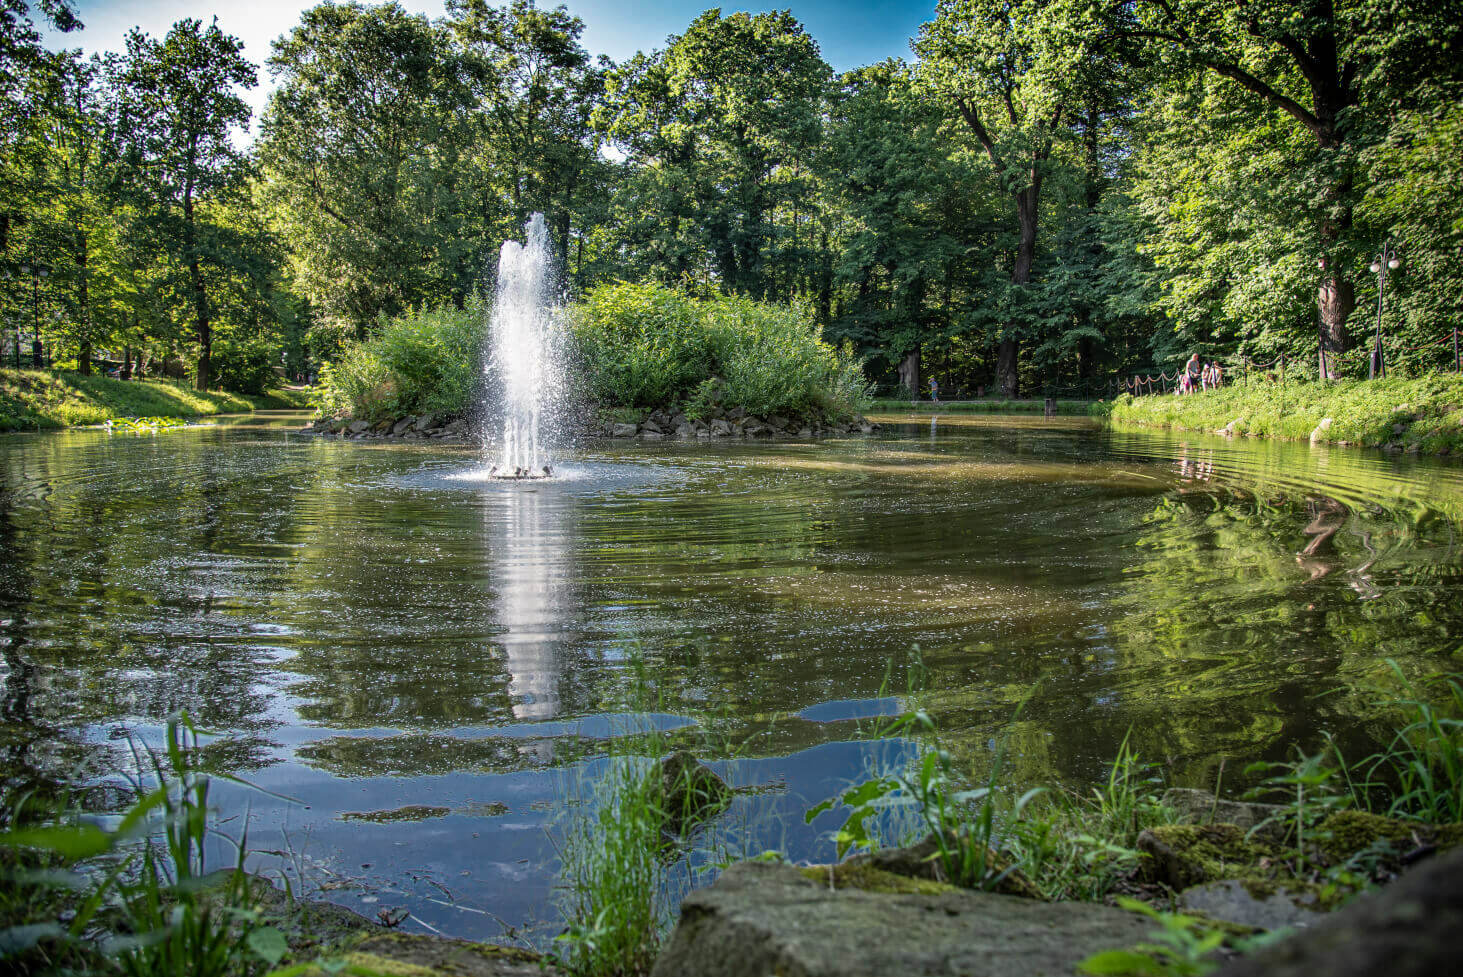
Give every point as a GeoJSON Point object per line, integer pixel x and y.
{"type": "Point", "coordinates": [245, 365]}
{"type": "Point", "coordinates": [1184, 947]}
{"type": "Point", "coordinates": [649, 346]}
{"type": "Point", "coordinates": [1426, 409]}
{"type": "Point", "coordinates": [1424, 758]}
{"type": "Point", "coordinates": [425, 360]}
{"type": "Point", "coordinates": [140, 898]}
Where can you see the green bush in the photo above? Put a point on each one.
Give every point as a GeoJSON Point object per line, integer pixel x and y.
{"type": "Point", "coordinates": [648, 346]}
{"type": "Point", "coordinates": [245, 366]}
{"type": "Point", "coordinates": [425, 361]}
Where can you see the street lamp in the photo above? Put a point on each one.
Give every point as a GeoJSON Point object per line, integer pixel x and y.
{"type": "Point", "coordinates": [36, 271]}
{"type": "Point", "coordinates": [1386, 261]}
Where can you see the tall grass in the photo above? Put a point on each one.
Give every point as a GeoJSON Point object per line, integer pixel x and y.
{"type": "Point", "coordinates": [647, 346]}
{"type": "Point", "coordinates": [141, 897]}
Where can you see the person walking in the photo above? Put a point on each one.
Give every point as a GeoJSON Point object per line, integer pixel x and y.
{"type": "Point", "coordinates": [934, 390]}
{"type": "Point", "coordinates": [1195, 370]}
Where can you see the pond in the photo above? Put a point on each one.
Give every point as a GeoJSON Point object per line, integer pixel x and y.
{"type": "Point", "coordinates": [366, 627]}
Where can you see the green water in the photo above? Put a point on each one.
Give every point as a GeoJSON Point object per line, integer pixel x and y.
{"type": "Point", "coordinates": [372, 625]}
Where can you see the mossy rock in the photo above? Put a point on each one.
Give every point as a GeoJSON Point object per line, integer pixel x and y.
{"type": "Point", "coordinates": [413, 955]}
{"type": "Point", "coordinates": [1346, 833]}
{"type": "Point", "coordinates": [867, 878]}
{"type": "Point", "coordinates": [1181, 855]}
{"type": "Point", "coordinates": [691, 792]}
{"type": "Point", "coordinates": [923, 861]}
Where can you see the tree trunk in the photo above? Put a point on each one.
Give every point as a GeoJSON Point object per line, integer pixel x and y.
{"type": "Point", "coordinates": [200, 299]}
{"type": "Point", "coordinates": [1007, 357]}
{"type": "Point", "coordinates": [83, 352]}
{"type": "Point", "coordinates": [1006, 368]}
{"type": "Point", "coordinates": [1335, 300]}
{"type": "Point", "coordinates": [126, 372]}
{"type": "Point", "coordinates": [909, 373]}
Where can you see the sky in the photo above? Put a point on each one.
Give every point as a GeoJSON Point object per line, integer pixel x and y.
{"type": "Point", "coordinates": [849, 33]}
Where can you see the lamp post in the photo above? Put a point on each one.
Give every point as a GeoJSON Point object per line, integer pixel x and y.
{"type": "Point", "coordinates": [1386, 261]}
{"type": "Point", "coordinates": [7, 274]}
{"type": "Point", "coordinates": [36, 270]}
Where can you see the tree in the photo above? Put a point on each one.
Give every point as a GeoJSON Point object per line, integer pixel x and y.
{"type": "Point", "coordinates": [991, 60]}
{"type": "Point", "coordinates": [536, 90]}
{"type": "Point", "coordinates": [364, 152]}
{"type": "Point", "coordinates": [178, 105]}
{"type": "Point", "coordinates": [1320, 63]}
{"type": "Point", "coordinates": [715, 127]}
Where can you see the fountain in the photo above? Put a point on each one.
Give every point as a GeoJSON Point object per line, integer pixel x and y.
{"type": "Point", "coordinates": [523, 356]}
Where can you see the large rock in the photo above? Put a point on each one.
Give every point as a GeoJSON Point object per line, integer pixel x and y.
{"type": "Point", "coordinates": [1408, 929]}
{"type": "Point", "coordinates": [358, 427]}
{"type": "Point", "coordinates": [624, 430]}
{"type": "Point", "coordinates": [1233, 902]}
{"type": "Point", "coordinates": [690, 791]}
{"type": "Point", "coordinates": [761, 918]}
{"type": "Point", "coordinates": [402, 426]}
{"type": "Point", "coordinates": [1201, 807]}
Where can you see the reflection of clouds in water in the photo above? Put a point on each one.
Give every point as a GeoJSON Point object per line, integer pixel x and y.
{"type": "Point", "coordinates": [529, 541]}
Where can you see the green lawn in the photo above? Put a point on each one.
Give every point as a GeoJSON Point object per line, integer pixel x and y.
{"type": "Point", "coordinates": [37, 399]}
{"type": "Point", "coordinates": [1423, 414]}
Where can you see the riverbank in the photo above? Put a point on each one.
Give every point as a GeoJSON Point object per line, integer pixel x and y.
{"type": "Point", "coordinates": [982, 406]}
{"type": "Point", "coordinates": [1423, 416]}
{"type": "Point", "coordinates": [33, 400]}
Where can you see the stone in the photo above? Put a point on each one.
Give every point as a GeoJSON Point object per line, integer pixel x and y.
{"type": "Point", "coordinates": [690, 791]}
{"type": "Point", "coordinates": [398, 954]}
{"type": "Point", "coordinates": [1407, 929]}
{"type": "Point", "coordinates": [1230, 901]}
{"type": "Point", "coordinates": [736, 413]}
{"type": "Point", "coordinates": [402, 426]}
{"type": "Point", "coordinates": [1180, 856]}
{"type": "Point", "coordinates": [623, 430]}
{"type": "Point", "coordinates": [426, 422]}
{"type": "Point", "coordinates": [764, 918]}
{"type": "Point", "coordinates": [357, 427]}
{"type": "Point", "coordinates": [1399, 428]}
{"type": "Point", "coordinates": [778, 423]}
{"type": "Point", "coordinates": [1201, 807]}
{"type": "Point", "coordinates": [866, 428]}
{"type": "Point", "coordinates": [805, 432]}
{"type": "Point", "coordinates": [650, 435]}
{"type": "Point", "coordinates": [1319, 432]}
{"type": "Point", "coordinates": [685, 430]}
{"type": "Point", "coordinates": [922, 861]}
{"type": "Point", "coordinates": [651, 426]}
{"type": "Point", "coordinates": [721, 428]}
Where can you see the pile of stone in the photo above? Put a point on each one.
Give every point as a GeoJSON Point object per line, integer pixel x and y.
{"type": "Point", "coordinates": [438, 427]}
{"type": "Point", "coordinates": [731, 423]}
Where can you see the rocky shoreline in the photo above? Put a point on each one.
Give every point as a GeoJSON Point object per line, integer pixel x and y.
{"type": "Point", "coordinates": [653, 425]}
{"type": "Point", "coordinates": [1223, 863]}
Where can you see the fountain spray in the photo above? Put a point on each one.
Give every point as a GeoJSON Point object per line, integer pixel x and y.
{"type": "Point", "coordinates": [523, 357]}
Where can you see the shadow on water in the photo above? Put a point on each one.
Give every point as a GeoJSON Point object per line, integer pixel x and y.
{"type": "Point", "coordinates": [372, 626]}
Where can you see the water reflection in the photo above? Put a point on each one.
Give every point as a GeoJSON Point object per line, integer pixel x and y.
{"type": "Point", "coordinates": [529, 539]}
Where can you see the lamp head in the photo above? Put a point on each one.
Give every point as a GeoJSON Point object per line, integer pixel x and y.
{"type": "Point", "coordinates": [1376, 266]}
{"type": "Point", "coordinates": [1394, 263]}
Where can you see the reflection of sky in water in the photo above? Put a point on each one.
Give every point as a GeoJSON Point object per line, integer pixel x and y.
{"type": "Point", "coordinates": [372, 625]}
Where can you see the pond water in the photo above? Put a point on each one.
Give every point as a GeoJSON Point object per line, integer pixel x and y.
{"type": "Point", "coordinates": [366, 626]}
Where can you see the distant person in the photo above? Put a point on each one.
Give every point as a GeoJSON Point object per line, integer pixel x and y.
{"type": "Point", "coordinates": [1193, 372]}
{"type": "Point", "coordinates": [1216, 374]}
{"type": "Point", "coordinates": [934, 390]}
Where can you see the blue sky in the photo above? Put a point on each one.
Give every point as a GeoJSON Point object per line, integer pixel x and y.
{"type": "Point", "coordinates": [850, 33]}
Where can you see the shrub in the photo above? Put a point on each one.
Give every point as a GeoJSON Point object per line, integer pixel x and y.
{"type": "Point", "coordinates": [427, 360]}
{"type": "Point", "coordinates": [648, 346]}
{"type": "Point", "coordinates": [243, 365]}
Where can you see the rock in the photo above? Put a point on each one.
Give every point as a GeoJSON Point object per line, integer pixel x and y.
{"type": "Point", "coordinates": [651, 426]}
{"type": "Point", "coordinates": [778, 422]}
{"type": "Point", "coordinates": [1201, 807]}
{"type": "Point", "coordinates": [1181, 856]}
{"type": "Point", "coordinates": [382, 427]}
{"type": "Point", "coordinates": [357, 427]}
{"type": "Point", "coordinates": [762, 918]}
{"type": "Point", "coordinates": [1230, 901]}
{"type": "Point", "coordinates": [420, 955]}
{"type": "Point", "coordinates": [685, 430]}
{"type": "Point", "coordinates": [1408, 929]}
{"type": "Point", "coordinates": [690, 790]}
{"type": "Point", "coordinates": [426, 422]}
{"type": "Point", "coordinates": [922, 861]}
{"type": "Point", "coordinates": [650, 435]}
{"type": "Point", "coordinates": [866, 428]}
{"type": "Point", "coordinates": [805, 432]}
{"type": "Point", "coordinates": [1399, 428]}
{"type": "Point", "coordinates": [736, 413]}
{"type": "Point", "coordinates": [402, 426]}
{"type": "Point", "coordinates": [721, 428]}
{"type": "Point", "coordinates": [1319, 433]}
{"type": "Point", "coordinates": [623, 430]}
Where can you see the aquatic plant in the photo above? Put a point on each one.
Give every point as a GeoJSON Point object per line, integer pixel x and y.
{"type": "Point", "coordinates": [140, 897]}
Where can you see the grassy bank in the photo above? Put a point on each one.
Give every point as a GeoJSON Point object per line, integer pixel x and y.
{"type": "Point", "coordinates": [983, 406]}
{"type": "Point", "coordinates": [1423, 415]}
{"type": "Point", "coordinates": [37, 399]}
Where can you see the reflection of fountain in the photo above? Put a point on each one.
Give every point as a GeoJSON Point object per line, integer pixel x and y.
{"type": "Point", "coordinates": [530, 567]}
{"type": "Point", "coordinates": [524, 344]}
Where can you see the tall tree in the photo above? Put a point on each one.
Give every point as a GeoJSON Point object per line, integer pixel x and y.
{"type": "Point", "coordinates": [988, 59]}
{"type": "Point", "coordinates": [363, 152]}
{"type": "Point", "coordinates": [714, 125]}
{"type": "Point", "coordinates": [178, 107]}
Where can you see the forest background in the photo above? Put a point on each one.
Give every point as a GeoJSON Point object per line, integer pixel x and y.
{"type": "Point", "coordinates": [1048, 195]}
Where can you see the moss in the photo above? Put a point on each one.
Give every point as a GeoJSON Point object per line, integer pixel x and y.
{"type": "Point", "coordinates": [866, 878]}
{"type": "Point", "coordinates": [412, 812]}
{"type": "Point", "coordinates": [1347, 832]}
{"type": "Point", "coordinates": [1215, 851]}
